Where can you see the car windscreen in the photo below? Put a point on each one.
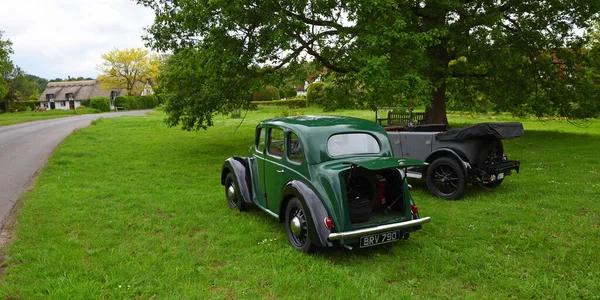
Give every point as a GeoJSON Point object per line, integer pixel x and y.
{"type": "Point", "coordinates": [352, 143]}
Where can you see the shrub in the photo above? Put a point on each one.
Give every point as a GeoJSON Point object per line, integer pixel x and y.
{"type": "Point", "coordinates": [100, 103]}
{"type": "Point", "coordinates": [316, 93]}
{"type": "Point", "coordinates": [136, 102]}
{"type": "Point", "coordinates": [291, 103]}
{"type": "Point", "coordinates": [290, 92]}
{"type": "Point", "coordinates": [85, 103]}
{"type": "Point", "coordinates": [23, 106]}
{"type": "Point", "coordinates": [148, 101]}
{"type": "Point", "coordinates": [281, 94]}
{"type": "Point", "coordinates": [266, 94]}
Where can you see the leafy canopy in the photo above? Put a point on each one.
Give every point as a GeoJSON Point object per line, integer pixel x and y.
{"type": "Point", "coordinates": [521, 56]}
{"type": "Point", "coordinates": [129, 68]}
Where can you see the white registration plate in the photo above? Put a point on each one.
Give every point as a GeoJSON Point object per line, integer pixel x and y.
{"type": "Point", "coordinates": [380, 238]}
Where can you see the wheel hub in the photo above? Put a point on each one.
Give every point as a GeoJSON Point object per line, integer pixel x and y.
{"type": "Point", "coordinates": [231, 192]}
{"type": "Point", "coordinates": [295, 226]}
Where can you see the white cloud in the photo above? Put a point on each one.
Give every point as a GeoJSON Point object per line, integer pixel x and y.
{"type": "Point", "coordinates": [60, 38]}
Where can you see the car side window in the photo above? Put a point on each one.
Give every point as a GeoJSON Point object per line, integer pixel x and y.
{"type": "Point", "coordinates": [261, 139]}
{"type": "Point", "coordinates": [276, 145]}
{"type": "Point", "coordinates": [295, 151]}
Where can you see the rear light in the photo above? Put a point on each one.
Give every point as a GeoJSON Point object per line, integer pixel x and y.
{"type": "Point", "coordinates": [328, 222]}
{"type": "Point", "coordinates": [414, 209]}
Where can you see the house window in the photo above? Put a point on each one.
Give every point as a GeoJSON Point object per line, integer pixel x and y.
{"type": "Point", "coordinates": [63, 104]}
{"type": "Point", "coordinates": [50, 97]}
{"type": "Point", "coordinates": [70, 97]}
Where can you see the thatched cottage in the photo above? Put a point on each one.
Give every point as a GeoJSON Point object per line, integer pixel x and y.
{"type": "Point", "coordinates": [69, 94]}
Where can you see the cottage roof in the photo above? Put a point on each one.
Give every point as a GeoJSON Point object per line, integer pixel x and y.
{"type": "Point", "coordinates": [82, 90]}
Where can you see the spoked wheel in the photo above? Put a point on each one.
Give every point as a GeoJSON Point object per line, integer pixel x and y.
{"type": "Point", "coordinates": [446, 178]}
{"type": "Point", "coordinates": [297, 225]}
{"type": "Point", "coordinates": [234, 201]}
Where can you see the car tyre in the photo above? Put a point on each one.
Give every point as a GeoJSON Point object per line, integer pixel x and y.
{"type": "Point", "coordinates": [234, 200]}
{"type": "Point", "coordinates": [446, 178]}
{"type": "Point", "coordinates": [297, 226]}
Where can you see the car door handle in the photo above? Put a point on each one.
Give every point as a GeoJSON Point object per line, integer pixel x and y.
{"type": "Point", "coordinates": [280, 171]}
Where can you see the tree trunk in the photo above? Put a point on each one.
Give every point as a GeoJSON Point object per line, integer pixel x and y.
{"type": "Point", "coordinates": [436, 114]}
{"type": "Point", "coordinates": [438, 56]}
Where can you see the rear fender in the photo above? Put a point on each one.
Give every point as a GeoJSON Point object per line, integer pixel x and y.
{"type": "Point", "coordinates": [447, 152]}
{"type": "Point", "coordinates": [318, 233]}
{"type": "Point", "coordinates": [241, 169]}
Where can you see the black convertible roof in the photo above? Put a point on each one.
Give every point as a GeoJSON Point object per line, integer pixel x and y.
{"type": "Point", "coordinates": [492, 131]}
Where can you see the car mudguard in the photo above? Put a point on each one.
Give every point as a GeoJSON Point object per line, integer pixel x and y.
{"type": "Point", "coordinates": [444, 152]}
{"type": "Point", "coordinates": [241, 169]}
{"type": "Point", "coordinates": [319, 233]}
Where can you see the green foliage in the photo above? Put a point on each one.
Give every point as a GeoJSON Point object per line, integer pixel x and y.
{"type": "Point", "coordinates": [281, 94]}
{"type": "Point", "coordinates": [41, 83]}
{"type": "Point", "coordinates": [100, 103]}
{"type": "Point", "coordinates": [316, 93]}
{"type": "Point", "coordinates": [404, 56]}
{"type": "Point", "coordinates": [291, 103]}
{"type": "Point", "coordinates": [197, 83]}
{"type": "Point", "coordinates": [6, 64]}
{"type": "Point", "coordinates": [290, 92]}
{"type": "Point", "coordinates": [23, 106]}
{"type": "Point", "coordinates": [136, 102]}
{"type": "Point", "coordinates": [268, 93]}
{"type": "Point", "coordinates": [85, 103]}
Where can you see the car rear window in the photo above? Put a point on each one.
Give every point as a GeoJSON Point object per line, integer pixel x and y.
{"type": "Point", "coordinates": [352, 143]}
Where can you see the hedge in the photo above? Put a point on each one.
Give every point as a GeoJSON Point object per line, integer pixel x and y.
{"type": "Point", "coordinates": [291, 103]}
{"type": "Point", "coordinates": [136, 102]}
{"type": "Point", "coordinates": [100, 103]}
{"type": "Point", "coordinates": [266, 94]}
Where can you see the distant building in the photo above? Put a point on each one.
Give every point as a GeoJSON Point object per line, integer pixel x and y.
{"type": "Point", "coordinates": [69, 94]}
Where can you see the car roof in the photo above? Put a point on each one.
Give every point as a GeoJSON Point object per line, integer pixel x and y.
{"type": "Point", "coordinates": [317, 129]}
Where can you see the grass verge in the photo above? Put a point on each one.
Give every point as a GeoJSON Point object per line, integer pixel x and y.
{"type": "Point", "coordinates": [128, 208]}
{"type": "Point", "coordinates": [27, 116]}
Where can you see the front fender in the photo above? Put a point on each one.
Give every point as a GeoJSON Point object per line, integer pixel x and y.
{"type": "Point", "coordinates": [448, 152]}
{"type": "Point", "coordinates": [318, 233]}
{"type": "Point", "coordinates": [241, 169]}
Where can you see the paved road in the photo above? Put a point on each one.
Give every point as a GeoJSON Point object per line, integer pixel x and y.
{"type": "Point", "coordinates": [25, 148]}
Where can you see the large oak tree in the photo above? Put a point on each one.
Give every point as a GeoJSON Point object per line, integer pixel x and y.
{"type": "Point", "coordinates": [523, 56]}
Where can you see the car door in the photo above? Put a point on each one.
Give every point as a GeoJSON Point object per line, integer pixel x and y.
{"type": "Point", "coordinates": [258, 166]}
{"type": "Point", "coordinates": [275, 169]}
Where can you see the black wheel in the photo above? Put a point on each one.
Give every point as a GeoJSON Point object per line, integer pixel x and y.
{"type": "Point", "coordinates": [446, 178]}
{"type": "Point", "coordinates": [297, 225]}
{"type": "Point", "coordinates": [234, 200]}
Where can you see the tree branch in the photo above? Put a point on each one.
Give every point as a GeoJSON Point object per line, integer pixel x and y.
{"type": "Point", "coordinates": [326, 62]}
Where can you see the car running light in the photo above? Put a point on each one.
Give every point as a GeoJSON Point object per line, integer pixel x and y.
{"type": "Point", "coordinates": [328, 222]}
{"type": "Point", "coordinates": [414, 209]}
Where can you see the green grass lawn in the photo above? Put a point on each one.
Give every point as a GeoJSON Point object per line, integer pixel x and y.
{"type": "Point", "coordinates": [128, 208]}
{"type": "Point", "coordinates": [27, 116]}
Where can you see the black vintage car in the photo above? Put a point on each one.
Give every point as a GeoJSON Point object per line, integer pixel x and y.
{"type": "Point", "coordinates": [473, 154]}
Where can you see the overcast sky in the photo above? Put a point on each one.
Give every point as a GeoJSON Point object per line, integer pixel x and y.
{"type": "Point", "coordinates": [60, 38]}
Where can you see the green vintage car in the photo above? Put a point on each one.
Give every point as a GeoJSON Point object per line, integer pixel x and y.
{"type": "Point", "coordinates": [331, 180]}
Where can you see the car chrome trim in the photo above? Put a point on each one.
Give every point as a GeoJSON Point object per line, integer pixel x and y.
{"type": "Point", "coordinates": [414, 175]}
{"type": "Point", "coordinates": [377, 229]}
